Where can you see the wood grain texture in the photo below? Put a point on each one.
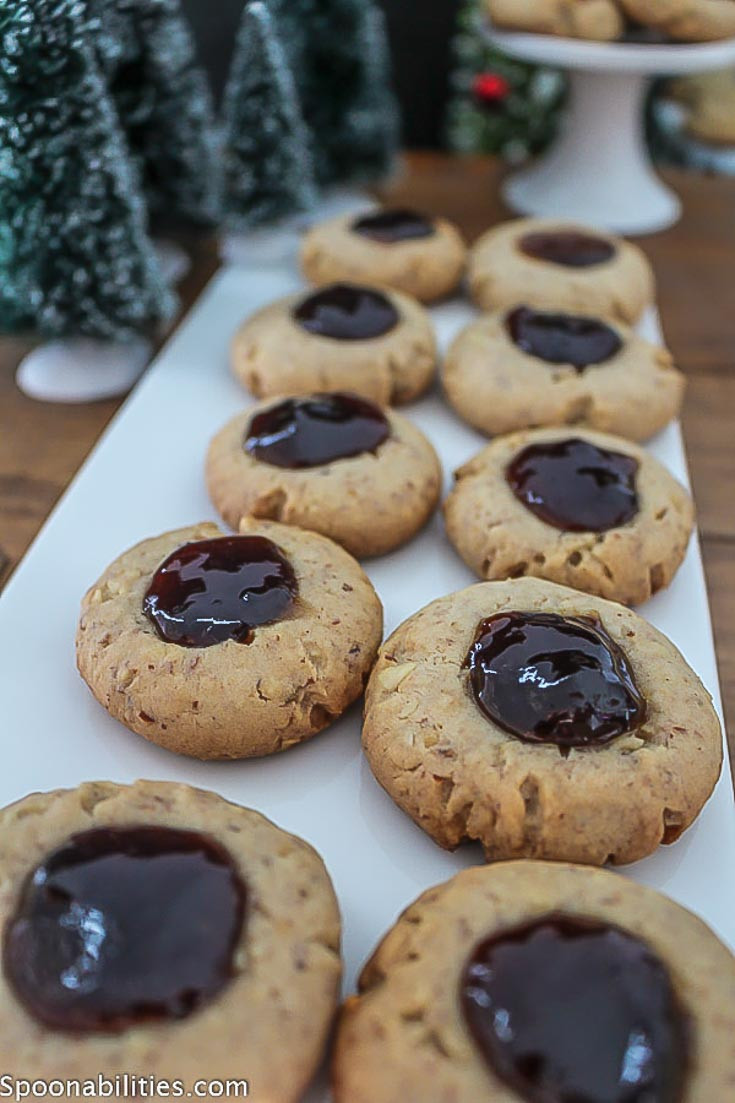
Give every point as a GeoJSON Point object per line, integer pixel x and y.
{"type": "Point", "coordinates": [42, 446]}
{"type": "Point", "coordinates": [709, 429]}
{"type": "Point", "coordinates": [718, 562]}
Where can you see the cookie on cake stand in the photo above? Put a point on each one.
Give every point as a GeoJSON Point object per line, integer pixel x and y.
{"type": "Point", "coordinates": [598, 170]}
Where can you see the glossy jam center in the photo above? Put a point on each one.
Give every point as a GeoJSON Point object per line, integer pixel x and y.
{"type": "Point", "coordinates": [563, 338]}
{"type": "Point", "coordinates": [346, 312]}
{"type": "Point", "coordinates": [394, 225]}
{"type": "Point", "coordinates": [212, 591]}
{"type": "Point", "coordinates": [551, 679]}
{"type": "Point", "coordinates": [565, 1011]}
{"type": "Point", "coordinates": [309, 432]}
{"type": "Point", "coordinates": [568, 248]}
{"type": "Point", "coordinates": [123, 925]}
{"type": "Point", "coordinates": [576, 486]}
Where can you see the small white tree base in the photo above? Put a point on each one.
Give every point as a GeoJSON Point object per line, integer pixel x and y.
{"type": "Point", "coordinates": [81, 369]}
{"type": "Point", "coordinates": [279, 243]}
{"type": "Point", "coordinates": [275, 244]}
{"type": "Point", "coordinates": [599, 170]}
{"type": "Point", "coordinates": [339, 201]}
{"type": "Point", "coordinates": [174, 261]}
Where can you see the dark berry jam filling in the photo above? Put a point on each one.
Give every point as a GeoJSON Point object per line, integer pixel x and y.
{"type": "Point", "coordinates": [576, 486]}
{"type": "Point", "coordinates": [546, 678]}
{"type": "Point", "coordinates": [211, 591]}
{"type": "Point", "coordinates": [568, 248]}
{"type": "Point", "coordinates": [563, 338]}
{"type": "Point", "coordinates": [346, 312]}
{"type": "Point", "coordinates": [568, 1011]}
{"type": "Point", "coordinates": [124, 925]}
{"type": "Point", "coordinates": [395, 225]}
{"type": "Point", "coordinates": [310, 432]}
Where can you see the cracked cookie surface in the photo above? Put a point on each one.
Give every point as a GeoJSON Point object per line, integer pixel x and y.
{"type": "Point", "coordinates": [501, 275]}
{"type": "Point", "coordinates": [461, 777]}
{"type": "Point", "coordinates": [232, 700]}
{"type": "Point", "coordinates": [287, 957]}
{"type": "Point", "coordinates": [370, 503]}
{"type": "Point", "coordinates": [596, 20]}
{"type": "Point", "coordinates": [428, 268]}
{"type": "Point", "coordinates": [404, 1037]}
{"type": "Point", "coordinates": [272, 355]}
{"type": "Point", "coordinates": [498, 387]}
{"type": "Point", "coordinates": [498, 537]}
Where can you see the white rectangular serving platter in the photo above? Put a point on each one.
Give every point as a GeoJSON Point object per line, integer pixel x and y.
{"type": "Point", "coordinates": [145, 477]}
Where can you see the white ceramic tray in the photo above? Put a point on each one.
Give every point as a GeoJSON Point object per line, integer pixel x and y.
{"type": "Point", "coordinates": [145, 477]}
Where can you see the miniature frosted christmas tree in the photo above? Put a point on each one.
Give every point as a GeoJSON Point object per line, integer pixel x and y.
{"type": "Point", "coordinates": [339, 57]}
{"type": "Point", "coordinates": [267, 163]}
{"type": "Point", "coordinates": [75, 257]}
{"type": "Point", "coordinates": [164, 104]}
{"type": "Point", "coordinates": [115, 38]}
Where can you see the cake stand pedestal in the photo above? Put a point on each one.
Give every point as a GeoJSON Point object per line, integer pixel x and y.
{"type": "Point", "coordinates": [599, 170]}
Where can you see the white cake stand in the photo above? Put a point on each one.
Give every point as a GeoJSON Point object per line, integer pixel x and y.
{"type": "Point", "coordinates": [599, 170]}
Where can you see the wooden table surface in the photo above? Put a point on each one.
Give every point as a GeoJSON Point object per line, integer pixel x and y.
{"type": "Point", "coordinates": [42, 445]}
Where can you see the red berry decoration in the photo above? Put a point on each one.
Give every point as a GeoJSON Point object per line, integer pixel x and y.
{"type": "Point", "coordinates": [490, 89]}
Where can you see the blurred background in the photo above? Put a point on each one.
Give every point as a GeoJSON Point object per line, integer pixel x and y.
{"type": "Point", "coordinates": [456, 92]}
{"type": "Point", "coordinates": [421, 43]}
